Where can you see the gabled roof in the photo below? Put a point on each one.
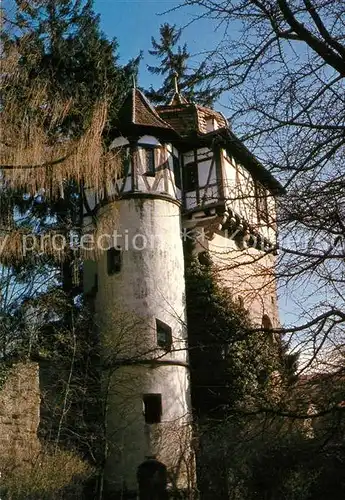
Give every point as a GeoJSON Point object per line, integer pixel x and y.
{"type": "Point", "coordinates": [136, 111]}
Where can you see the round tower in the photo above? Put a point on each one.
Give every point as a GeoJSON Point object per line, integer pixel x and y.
{"type": "Point", "coordinates": [140, 305]}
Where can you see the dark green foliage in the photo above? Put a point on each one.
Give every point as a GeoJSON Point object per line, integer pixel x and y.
{"type": "Point", "coordinates": [292, 466]}
{"type": "Point", "coordinates": [63, 51]}
{"type": "Point", "coordinates": [247, 449]}
{"type": "Point", "coordinates": [175, 60]}
{"type": "Point", "coordinates": [66, 61]}
{"type": "Point", "coordinates": [231, 364]}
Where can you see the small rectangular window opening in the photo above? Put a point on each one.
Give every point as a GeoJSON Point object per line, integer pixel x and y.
{"type": "Point", "coordinates": [191, 176]}
{"type": "Point", "coordinates": [114, 260]}
{"type": "Point", "coordinates": [150, 161]}
{"type": "Point", "coordinates": [164, 335]}
{"type": "Point", "coordinates": [152, 408]}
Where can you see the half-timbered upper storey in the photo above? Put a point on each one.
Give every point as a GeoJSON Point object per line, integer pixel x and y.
{"type": "Point", "coordinates": [189, 153]}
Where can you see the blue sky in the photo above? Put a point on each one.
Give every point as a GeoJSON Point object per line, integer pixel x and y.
{"type": "Point", "coordinates": [134, 22]}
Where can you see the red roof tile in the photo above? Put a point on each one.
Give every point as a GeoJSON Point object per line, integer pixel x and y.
{"type": "Point", "coordinates": [136, 110]}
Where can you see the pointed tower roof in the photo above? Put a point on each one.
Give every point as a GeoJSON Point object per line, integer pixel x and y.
{"type": "Point", "coordinates": [137, 113]}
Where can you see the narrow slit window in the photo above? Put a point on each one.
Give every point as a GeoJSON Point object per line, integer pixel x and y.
{"type": "Point", "coordinates": [177, 172]}
{"type": "Point", "coordinates": [150, 163]}
{"type": "Point", "coordinates": [164, 335]}
{"type": "Point", "coordinates": [114, 260]}
{"type": "Point", "coordinates": [152, 408]}
{"type": "Point", "coordinates": [240, 301]}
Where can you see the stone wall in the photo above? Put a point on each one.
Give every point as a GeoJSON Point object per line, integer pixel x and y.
{"type": "Point", "coordinates": [19, 415]}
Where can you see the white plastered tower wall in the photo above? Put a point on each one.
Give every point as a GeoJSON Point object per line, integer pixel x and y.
{"type": "Point", "coordinates": [150, 287]}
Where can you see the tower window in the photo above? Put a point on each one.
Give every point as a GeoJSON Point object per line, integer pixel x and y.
{"type": "Point", "coordinates": [261, 202]}
{"type": "Point", "coordinates": [164, 335]}
{"type": "Point", "coordinates": [266, 322]}
{"type": "Point", "coordinates": [191, 176]}
{"type": "Point", "coordinates": [150, 164]}
{"type": "Point", "coordinates": [177, 172]}
{"type": "Point", "coordinates": [114, 260]}
{"type": "Point", "coordinates": [152, 408]}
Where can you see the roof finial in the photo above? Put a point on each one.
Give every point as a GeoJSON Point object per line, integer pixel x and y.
{"type": "Point", "coordinates": [176, 77]}
{"type": "Point", "coordinates": [177, 98]}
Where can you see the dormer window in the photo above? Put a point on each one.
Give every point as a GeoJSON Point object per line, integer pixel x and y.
{"type": "Point", "coordinates": [150, 163]}
{"type": "Point", "coordinates": [211, 124]}
{"type": "Point", "coordinates": [261, 202]}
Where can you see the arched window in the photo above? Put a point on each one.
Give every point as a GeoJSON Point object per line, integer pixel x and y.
{"type": "Point", "coordinates": [266, 323]}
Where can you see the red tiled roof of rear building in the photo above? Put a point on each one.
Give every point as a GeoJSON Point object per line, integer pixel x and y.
{"type": "Point", "coordinates": [188, 118]}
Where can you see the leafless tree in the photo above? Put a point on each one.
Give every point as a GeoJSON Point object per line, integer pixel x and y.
{"type": "Point", "coordinates": [283, 66]}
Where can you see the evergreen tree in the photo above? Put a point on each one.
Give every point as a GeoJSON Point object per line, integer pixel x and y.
{"type": "Point", "coordinates": [175, 63]}
{"type": "Point", "coordinates": [64, 66]}
{"type": "Point", "coordinates": [61, 46]}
